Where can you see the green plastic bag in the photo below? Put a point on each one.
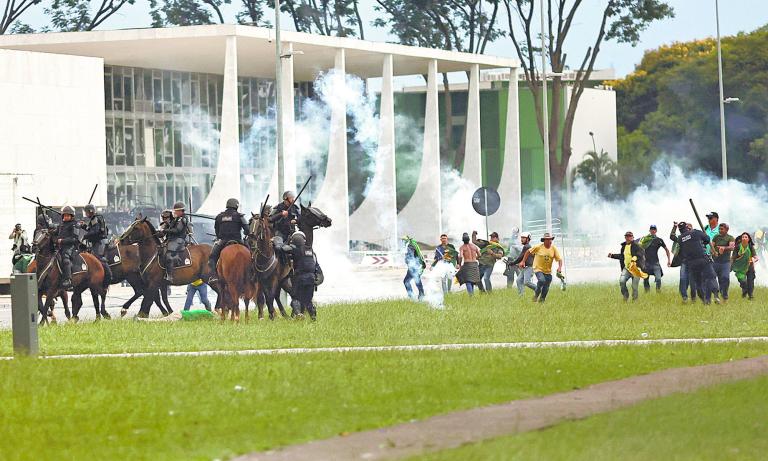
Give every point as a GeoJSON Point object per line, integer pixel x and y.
{"type": "Point", "coordinates": [197, 314]}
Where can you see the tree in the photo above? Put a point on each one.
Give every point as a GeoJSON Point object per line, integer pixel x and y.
{"type": "Point", "coordinates": [598, 169]}
{"type": "Point", "coordinates": [339, 18]}
{"type": "Point", "coordinates": [620, 20]}
{"type": "Point", "coordinates": [14, 9]}
{"type": "Point", "coordinates": [459, 25]}
{"type": "Point", "coordinates": [672, 100]}
{"type": "Point", "coordinates": [636, 156]}
{"type": "Point", "coordinates": [77, 15]}
{"type": "Point", "coordinates": [186, 12]}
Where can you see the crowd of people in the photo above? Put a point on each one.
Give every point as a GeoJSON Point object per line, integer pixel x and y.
{"type": "Point", "coordinates": [706, 259]}
{"type": "Point", "coordinates": [472, 264]}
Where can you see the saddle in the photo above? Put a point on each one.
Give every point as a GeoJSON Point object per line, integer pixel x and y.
{"type": "Point", "coordinates": [79, 265]}
{"type": "Point", "coordinates": [112, 254]}
{"type": "Point", "coordinates": [183, 258]}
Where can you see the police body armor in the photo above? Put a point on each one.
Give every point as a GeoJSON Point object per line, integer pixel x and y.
{"type": "Point", "coordinates": [96, 234]}
{"type": "Point", "coordinates": [282, 224]}
{"type": "Point", "coordinates": [68, 246]}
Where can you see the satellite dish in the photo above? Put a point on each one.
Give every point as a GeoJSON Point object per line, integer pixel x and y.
{"type": "Point", "coordinates": [486, 201]}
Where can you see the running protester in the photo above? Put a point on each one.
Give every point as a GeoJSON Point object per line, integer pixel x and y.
{"type": "Point", "coordinates": [543, 256]}
{"type": "Point", "coordinates": [490, 252]}
{"type": "Point", "coordinates": [631, 258]}
{"type": "Point", "coordinates": [651, 243]}
{"type": "Point", "coordinates": [469, 270]}
{"type": "Point", "coordinates": [744, 259]}
{"type": "Point", "coordinates": [722, 246]}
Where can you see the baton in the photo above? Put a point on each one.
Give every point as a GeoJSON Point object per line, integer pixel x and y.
{"type": "Point", "coordinates": [697, 214]}
{"type": "Point", "coordinates": [41, 205]}
{"type": "Point", "coordinates": [302, 189]}
{"type": "Point", "coordinates": [198, 215]}
{"type": "Point", "coordinates": [90, 200]}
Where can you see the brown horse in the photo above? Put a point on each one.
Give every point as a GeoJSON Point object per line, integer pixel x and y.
{"type": "Point", "coordinates": [62, 294]}
{"type": "Point", "coordinates": [128, 269]}
{"type": "Point", "coordinates": [270, 270]}
{"type": "Point", "coordinates": [49, 280]}
{"type": "Point", "coordinates": [143, 233]}
{"type": "Point", "coordinates": [236, 280]}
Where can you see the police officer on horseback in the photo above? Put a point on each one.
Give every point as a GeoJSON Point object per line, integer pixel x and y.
{"type": "Point", "coordinates": [230, 226]}
{"type": "Point", "coordinates": [96, 234]}
{"type": "Point", "coordinates": [175, 239]}
{"type": "Point", "coordinates": [43, 222]}
{"type": "Point", "coordinates": [67, 242]}
{"type": "Point", "coordinates": [304, 272]}
{"type": "Point", "coordinates": [284, 218]}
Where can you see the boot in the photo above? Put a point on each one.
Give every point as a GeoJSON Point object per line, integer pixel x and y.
{"type": "Point", "coordinates": [168, 277]}
{"type": "Point", "coordinates": [66, 284]}
{"type": "Point", "coordinates": [212, 268]}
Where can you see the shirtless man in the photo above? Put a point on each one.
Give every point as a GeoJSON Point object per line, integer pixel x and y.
{"type": "Point", "coordinates": [469, 269]}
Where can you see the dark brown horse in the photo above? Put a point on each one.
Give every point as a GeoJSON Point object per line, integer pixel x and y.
{"type": "Point", "coordinates": [236, 280]}
{"type": "Point", "coordinates": [273, 274]}
{"type": "Point", "coordinates": [49, 280]}
{"type": "Point", "coordinates": [128, 269]}
{"type": "Point", "coordinates": [62, 294]}
{"type": "Point", "coordinates": [270, 270]}
{"type": "Point", "coordinates": [144, 234]}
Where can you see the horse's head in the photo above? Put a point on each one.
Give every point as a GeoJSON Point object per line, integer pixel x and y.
{"type": "Point", "coordinates": [314, 217]}
{"type": "Point", "coordinates": [139, 231]}
{"type": "Point", "coordinates": [43, 242]}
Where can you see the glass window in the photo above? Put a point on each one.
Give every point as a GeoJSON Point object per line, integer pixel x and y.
{"type": "Point", "coordinates": [117, 86]}
{"type": "Point", "coordinates": [148, 86]}
{"type": "Point", "coordinates": [110, 135]}
{"type": "Point", "coordinates": [168, 143]}
{"type": "Point", "coordinates": [166, 86]}
{"type": "Point", "coordinates": [128, 95]}
{"type": "Point", "coordinates": [159, 147]}
{"type": "Point", "coordinates": [157, 88]}
{"type": "Point", "coordinates": [107, 92]}
{"type": "Point", "coordinates": [176, 94]}
{"type": "Point", "coordinates": [130, 158]}
{"type": "Point", "coordinates": [177, 148]}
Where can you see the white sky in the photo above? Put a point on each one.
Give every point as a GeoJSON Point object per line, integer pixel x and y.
{"type": "Point", "coordinates": [694, 19]}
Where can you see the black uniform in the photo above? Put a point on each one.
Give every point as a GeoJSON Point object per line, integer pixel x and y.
{"type": "Point", "coordinates": [283, 226]}
{"type": "Point", "coordinates": [699, 265]}
{"type": "Point", "coordinates": [229, 227]}
{"type": "Point", "coordinates": [175, 241]}
{"type": "Point", "coordinates": [96, 234]}
{"type": "Point", "coordinates": [67, 247]}
{"type": "Point", "coordinates": [304, 267]}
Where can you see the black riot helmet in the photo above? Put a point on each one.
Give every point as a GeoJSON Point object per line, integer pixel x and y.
{"type": "Point", "coordinates": [298, 238]}
{"type": "Point", "coordinates": [233, 203]}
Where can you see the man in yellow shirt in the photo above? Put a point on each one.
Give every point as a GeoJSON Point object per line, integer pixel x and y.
{"type": "Point", "coordinates": [631, 259]}
{"type": "Point", "coordinates": [543, 256]}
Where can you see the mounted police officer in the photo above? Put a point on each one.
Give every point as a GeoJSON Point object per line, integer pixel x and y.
{"type": "Point", "coordinates": [230, 226]}
{"type": "Point", "coordinates": [96, 234]}
{"type": "Point", "coordinates": [67, 242]}
{"type": "Point", "coordinates": [285, 217]}
{"type": "Point", "coordinates": [175, 239]}
{"type": "Point", "coordinates": [43, 222]}
{"type": "Point", "coordinates": [304, 271]}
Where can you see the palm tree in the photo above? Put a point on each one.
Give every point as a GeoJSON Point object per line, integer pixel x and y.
{"type": "Point", "coordinates": [598, 169]}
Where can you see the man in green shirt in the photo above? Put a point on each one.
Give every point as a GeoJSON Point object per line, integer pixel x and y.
{"type": "Point", "coordinates": [490, 252]}
{"type": "Point", "coordinates": [723, 244]}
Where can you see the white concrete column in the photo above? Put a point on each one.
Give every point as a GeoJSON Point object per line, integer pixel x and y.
{"type": "Point", "coordinates": [472, 170]}
{"type": "Point", "coordinates": [333, 196]}
{"type": "Point", "coordinates": [510, 213]}
{"type": "Point", "coordinates": [421, 216]}
{"type": "Point", "coordinates": [227, 182]}
{"type": "Point", "coordinates": [375, 221]}
{"type": "Point", "coordinates": [288, 173]}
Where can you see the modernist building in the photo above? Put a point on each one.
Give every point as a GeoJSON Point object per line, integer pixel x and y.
{"type": "Point", "coordinates": [181, 115]}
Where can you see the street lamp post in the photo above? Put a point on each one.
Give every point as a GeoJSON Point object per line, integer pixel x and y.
{"type": "Point", "coordinates": [722, 95]}
{"type": "Point", "coordinates": [545, 125]}
{"type": "Point", "coordinates": [279, 99]}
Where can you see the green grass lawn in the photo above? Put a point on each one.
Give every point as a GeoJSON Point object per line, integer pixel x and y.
{"type": "Point", "coordinates": [182, 408]}
{"type": "Point", "coordinates": [582, 312]}
{"type": "Point", "coordinates": [726, 422]}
